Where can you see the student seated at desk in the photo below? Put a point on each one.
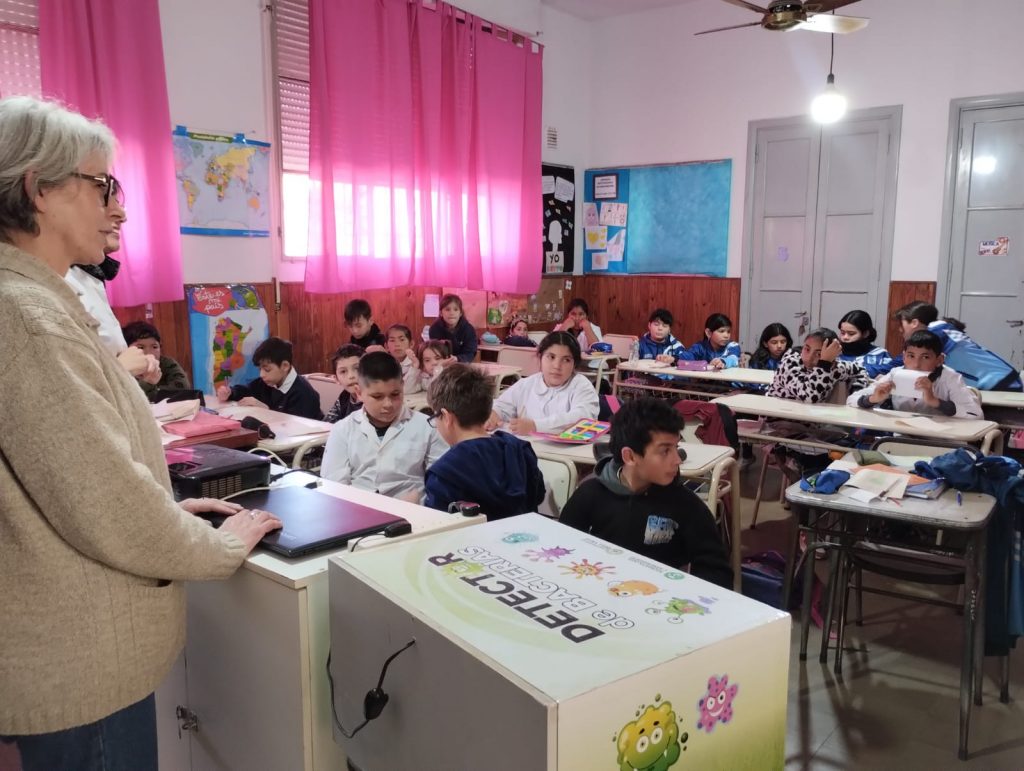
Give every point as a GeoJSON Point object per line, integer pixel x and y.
{"type": "Point", "coordinates": [552, 399]}
{"type": "Point", "coordinates": [519, 334]}
{"type": "Point", "coordinates": [453, 327]}
{"type": "Point", "coordinates": [810, 373]}
{"type": "Point", "coordinates": [657, 343]}
{"type": "Point", "coordinates": [146, 338]}
{"type": "Point", "coordinates": [400, 346]}
{"type": "Point", "coordinates": [857, 335]}
{"type": "Point", "coordinates": [359, 320]}
{"type": "Point", "coordinates": [279, 387]}
{"type": "Point", "coordinates": [498, 471]}
{"type": "Point", "coordinates": [432, 355]}
{"type": "Point", "coordinates": [717, 348]}
{"type": "Point", "coordinates": [775, 341]}
{"type": "Point", "coordinates": [637, 501]}
{"type": "Point", "coordinates": [942, 390]}
{"type": "Point", "coordinates": [980, 367]}
{"type": "Point", "coordinates": [384, 447]}
{"type": "Point", "coordinates": [577, 322]}
{"type": "Point", "coordinates": [345, 363]}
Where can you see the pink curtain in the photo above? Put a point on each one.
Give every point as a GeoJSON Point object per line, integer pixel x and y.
{"type": "Point", "coordinates": [105, 59]}
{"type": "Point", "coordinates": [424, 150]}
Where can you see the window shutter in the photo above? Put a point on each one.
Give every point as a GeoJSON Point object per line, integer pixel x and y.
{"type": "Point", "coordinates": [19, 48]}
{"type": "Point", "coordinates": [291, 40]}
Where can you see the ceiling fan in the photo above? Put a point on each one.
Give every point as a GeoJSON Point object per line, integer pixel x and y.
{"type": "Point", "coordinates": [794, 14]}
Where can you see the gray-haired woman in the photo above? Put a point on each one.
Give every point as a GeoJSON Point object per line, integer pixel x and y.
{"type": "Point", "coordinates": [92, 545]}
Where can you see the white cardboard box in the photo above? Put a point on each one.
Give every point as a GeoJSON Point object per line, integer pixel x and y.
{"type": "Point", "coordinates": [541, 647]}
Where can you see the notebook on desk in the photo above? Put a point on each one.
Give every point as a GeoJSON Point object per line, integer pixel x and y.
{"type": "Point", "coordinates": [313, 521]}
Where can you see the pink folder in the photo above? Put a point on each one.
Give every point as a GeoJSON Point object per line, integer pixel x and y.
{"type": "Point", "coordinates": [203, 423]}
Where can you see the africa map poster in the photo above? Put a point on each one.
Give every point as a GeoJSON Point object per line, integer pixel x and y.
{"type": "Point", "coordinates": [223, 184]}
{"type": "Point", "coordinates": [227, 324]}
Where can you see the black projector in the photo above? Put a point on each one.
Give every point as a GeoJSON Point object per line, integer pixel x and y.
{"type": "Point", "coordinates": [210, 471]}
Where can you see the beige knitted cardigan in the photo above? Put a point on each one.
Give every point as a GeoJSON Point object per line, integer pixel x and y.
{"type": "Point", "coordinates": [92, 545]}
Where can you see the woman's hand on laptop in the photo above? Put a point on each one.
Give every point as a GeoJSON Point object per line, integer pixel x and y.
{"type": "Point", "coordinates": [209, 505]}
{"type": "Point", "coordinates": [251, 525]}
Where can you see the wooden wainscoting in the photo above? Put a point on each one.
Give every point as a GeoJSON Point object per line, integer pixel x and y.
{"type": "Point", "coordinates": [901, 293]}
{"type": "Point", "coordinates": [622, 304]}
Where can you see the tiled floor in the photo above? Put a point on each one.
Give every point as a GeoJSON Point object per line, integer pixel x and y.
{"type": "Point", "coordinates": [896, 706]}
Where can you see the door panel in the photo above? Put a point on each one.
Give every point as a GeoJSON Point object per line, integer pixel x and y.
{"type": "Point", "coordinates": [851, 178]}
{"type": "Point", "coordinates": [985, 289]}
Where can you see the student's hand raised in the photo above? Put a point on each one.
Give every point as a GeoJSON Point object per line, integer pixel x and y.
{"type": "Point", "coordinates": [830, 351]}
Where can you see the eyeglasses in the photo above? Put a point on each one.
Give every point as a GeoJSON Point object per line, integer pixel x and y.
{"type": "Point", "coordinates": [106, 182]}
{"type": "Point", "coordinates": [432, 418]}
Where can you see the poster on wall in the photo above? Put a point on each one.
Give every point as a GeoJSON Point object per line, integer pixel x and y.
{"type": "Point", "coordinates": [558, 187]}
{"type": "Point", "coordinates": [226, 325]}
{"type": "Point", "coordinates": [223, 184]}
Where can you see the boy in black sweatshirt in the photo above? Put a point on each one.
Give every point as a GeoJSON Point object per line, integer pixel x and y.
{"type": "Point", "coordinates": [279, 387]}
{"type": "Point", "coordinates": [636, 500]}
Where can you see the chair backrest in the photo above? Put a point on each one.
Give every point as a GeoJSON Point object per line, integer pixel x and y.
{"type": "Point", "coordinates": [524, 358]}
{"type": "Point", "coordinates": [327, 389]}
{"type": "Point", "coordinates": [620, 343]}
{"type": "Point", "coordinates": [559, 483]}
{"type": "Point", "coordinates": [537, 336]}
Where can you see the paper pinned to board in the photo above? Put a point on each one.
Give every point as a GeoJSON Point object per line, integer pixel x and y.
{"type": "Point", "coordinates": [600, 261]}
{"type": "Point", "coordinates": [617, 246]}
{"type": "Point", "coordinates": [564, 189]}
{"type": "Point", "coordinates": [547, 185]}
{"type": "Point", "coordinates": [596, 238]}
{"type": "Point", "coordinates": [431, 306]}
{"type": "Point", "coordinates": [590, 218]}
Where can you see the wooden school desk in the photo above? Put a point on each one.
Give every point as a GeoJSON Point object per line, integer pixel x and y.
{"type": "Point", "coordinates": [703, 461]}
{"type": "Point", "coordinates": [984, 433]}
{"type": "Point", "coordinates": [1004, 407]}
{"type": "Point", "coordinates": [499, 372]}
{"type": "Point", "coordinates": [294, 434]}
{"type": "Point", "coordinates": [944, 513]}
{"type": "Point", "coordinates": [688, 381]}
{"type": "Point", "coordinates": [254, 667]}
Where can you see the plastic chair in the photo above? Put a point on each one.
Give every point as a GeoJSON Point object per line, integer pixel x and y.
{"type": "Point", "coordinates": [560, 480]}
{"type": "Point", "coordinates": [327, 388]}
{"type": "Point", "coordinates": [524, 358]}
{"type": "Point", "coordinates": [621, 344]}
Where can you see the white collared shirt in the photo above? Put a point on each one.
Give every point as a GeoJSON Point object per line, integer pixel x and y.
{"type": "Point", "coordinates": [288, 381]}
{"type": "Point", "coordinates": [394, 464]}
{"type": "Point", "coordinates": [552, 409]}
{"type": "Point", "coordinates": [93, 294]}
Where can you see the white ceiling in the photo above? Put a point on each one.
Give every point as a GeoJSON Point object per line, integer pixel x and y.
{"type": "Point", "coordinates": [603, 9]}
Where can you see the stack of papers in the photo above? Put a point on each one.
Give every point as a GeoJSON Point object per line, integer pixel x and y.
{"type": "Point", "coordinates": [868, 484]}
{"type": "Point", "coordinates": [168, 412]}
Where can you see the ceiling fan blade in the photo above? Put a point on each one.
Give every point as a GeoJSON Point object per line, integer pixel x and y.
{"type": "Point", "coordinates": [749, 6]}
{"type": "Point", "coordinates": [735, 26]}
{"type": "Point", "coordinates": [824, 6]}
{"type": "Point", "coordinates": [839, 25]}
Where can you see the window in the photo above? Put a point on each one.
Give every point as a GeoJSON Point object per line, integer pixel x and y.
{"type": "Point", "coordinates": [291, 53]}
{"type": "Point", "coordinates": [19, 48]}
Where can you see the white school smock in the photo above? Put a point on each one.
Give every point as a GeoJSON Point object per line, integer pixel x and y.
{"type": "Point", "coordinates": [392, 465]}
{"type": "Point", "coordinates": [93, 294]}
{"type": "Point", "coordinates": [948, 387]}
{"type": "Point", "coordinates": [552, 409]}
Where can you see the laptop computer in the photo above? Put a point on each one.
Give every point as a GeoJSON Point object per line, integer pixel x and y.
{"type": "Point", "coordinates": [313, 521]}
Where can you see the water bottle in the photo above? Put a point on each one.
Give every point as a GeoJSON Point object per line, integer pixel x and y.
{"type": "Point", "coordinates": [634, 351]}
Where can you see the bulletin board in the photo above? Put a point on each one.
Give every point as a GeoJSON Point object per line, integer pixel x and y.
{"type": "Point", "coordinates": [544, 307]}
{"type": "Point", "coordinates": [657, 219]}
{"type": "Point", "coordinates": [558, 188]}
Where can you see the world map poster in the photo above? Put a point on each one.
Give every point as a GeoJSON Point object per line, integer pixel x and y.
{"type": "Point", "coordinates": [223, 184]}
{"type": "Point", "coordinates": [227, 323]}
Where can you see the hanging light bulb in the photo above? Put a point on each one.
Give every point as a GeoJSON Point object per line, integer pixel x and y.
{"type": "Point", "coordinates": [829, 106]}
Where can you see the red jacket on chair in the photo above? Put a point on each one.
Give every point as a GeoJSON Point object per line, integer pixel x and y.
{"type": "Point", "coordinates": [717, 424]}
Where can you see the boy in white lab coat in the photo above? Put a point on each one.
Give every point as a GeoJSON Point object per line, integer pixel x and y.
{"type": "Point", "coordinates": [384, 447]}
{"type": "Point", "coordinates": [940, 390]}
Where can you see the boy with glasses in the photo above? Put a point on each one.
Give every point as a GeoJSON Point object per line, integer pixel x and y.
{"type": "Point", "coordinates": [497, 471]}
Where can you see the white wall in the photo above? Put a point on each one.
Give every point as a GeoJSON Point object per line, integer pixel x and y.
{"type": "Point", "coordinates": [661, 95]}
{"type": "Point", "coordinates": [213, 53]}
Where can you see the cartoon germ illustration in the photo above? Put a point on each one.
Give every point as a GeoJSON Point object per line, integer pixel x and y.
{"type": "Point", "coordinates": [520, 538]}
{"type": "Point", "coordinates": [651, 742]}
{"type": "Point", "coordinates": [585, 568]}
{"type": "Point", "coordinates": [715, 706]}
{"type": "Point", "coordinates": [463, 568]}
{"type": "Point", "coordinates": [548, 554]}
{"type": "Point", "coordinates": [675, 575]}
{"type": "Point", "coordinates": [677, 608]}
{"type": "Point", "coordinates": [632, 588]}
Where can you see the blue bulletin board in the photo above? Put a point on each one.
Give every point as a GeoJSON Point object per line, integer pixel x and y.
{"type": "Point", "coordinates": [657, 219]}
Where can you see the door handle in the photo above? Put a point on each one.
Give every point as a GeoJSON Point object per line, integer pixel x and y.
{"type": "Point", "coordinates": [1015, 322]}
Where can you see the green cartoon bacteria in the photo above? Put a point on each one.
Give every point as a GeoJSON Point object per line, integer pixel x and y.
{"type": "Point", "coordinates": [651, 742]}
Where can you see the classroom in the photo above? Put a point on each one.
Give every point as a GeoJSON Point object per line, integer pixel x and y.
{"type": "Point", "coordinates": [742, 429]}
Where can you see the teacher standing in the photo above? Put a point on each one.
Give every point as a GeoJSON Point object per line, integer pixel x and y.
{"type": "Point", "coordinates": [93, 548]}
